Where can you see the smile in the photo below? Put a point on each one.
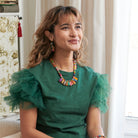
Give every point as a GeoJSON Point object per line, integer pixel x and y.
{"type": "Point", "coordinates": [73, 41]}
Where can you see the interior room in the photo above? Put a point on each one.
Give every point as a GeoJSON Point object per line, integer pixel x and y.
{"type": "Point", "coordinates": [111, 31]}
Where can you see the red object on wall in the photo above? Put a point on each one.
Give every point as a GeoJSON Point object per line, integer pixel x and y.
{"type": "Point", "coordinates": [19, 30]}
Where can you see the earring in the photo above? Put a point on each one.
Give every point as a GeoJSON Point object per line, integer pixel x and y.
{"type": "Point", "coordinates": [52, 46]}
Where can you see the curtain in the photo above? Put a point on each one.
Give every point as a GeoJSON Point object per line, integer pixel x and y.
{"type": "Point", "coordinates": [44, 5]}
{"type": "Point", "coordinates": [106, 27]}
{"type": "Point", "coordinates": [27, 12]}
{"type": "Point", "coordinates": [119, 68]}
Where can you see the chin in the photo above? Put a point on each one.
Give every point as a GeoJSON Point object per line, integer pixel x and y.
{"type": "Point", "coordinates": [76, 47]}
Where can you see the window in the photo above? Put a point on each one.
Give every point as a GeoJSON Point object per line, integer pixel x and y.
{"type": "Point", "coordinates": [132, 80]}
{"type": "Point", "coordinates": [131, 112]}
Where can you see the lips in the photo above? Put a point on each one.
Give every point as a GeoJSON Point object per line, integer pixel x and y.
{"type": "Point", "coordinates": [73, 41]}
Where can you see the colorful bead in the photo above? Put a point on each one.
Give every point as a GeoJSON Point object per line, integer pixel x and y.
{"type": "Point", "coordinates": [66, 83]}
{"type": "Point", "coordinates": [100, 136]}
{"type": "Point", "coordinates": [62, 80]}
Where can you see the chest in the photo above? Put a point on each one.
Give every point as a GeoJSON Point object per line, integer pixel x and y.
{"type": "Point", "coordinates": [59, 98]}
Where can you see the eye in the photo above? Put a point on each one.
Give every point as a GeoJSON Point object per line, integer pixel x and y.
{"type": "Point", "coordinates": [78, 27]}
{"type": "Point", "coordinates": [65, 28]}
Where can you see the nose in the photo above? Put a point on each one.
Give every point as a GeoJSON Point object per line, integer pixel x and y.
{"type": "Point", "coordinates": [73, 32]}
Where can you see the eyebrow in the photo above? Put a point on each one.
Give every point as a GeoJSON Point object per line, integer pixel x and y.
{"type": "Point", "coordinates": [67, 24]}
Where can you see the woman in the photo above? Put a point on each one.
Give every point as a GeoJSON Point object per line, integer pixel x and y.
{"type": "Point", "coordinates": [58, 96]}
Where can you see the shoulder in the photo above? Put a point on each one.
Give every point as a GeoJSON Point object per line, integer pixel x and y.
{"type": "Point", "coordinates": [90, 74]}
{"type": "Point", "coordinates": [39, 67]}
{"type": "Point", "coordinates": [39, 70]}
{"type": "Point", "coordinates": [87, 73]}
{"type": "Point", "coordinates": [86, 70]}
{"type": "Point", "coordinates": [34, 72]}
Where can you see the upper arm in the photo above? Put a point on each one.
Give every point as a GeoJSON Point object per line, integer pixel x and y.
{"type": "Point", "coordinates": [28, 118]}
{"type": "Point", "coordinates": [93, 118]}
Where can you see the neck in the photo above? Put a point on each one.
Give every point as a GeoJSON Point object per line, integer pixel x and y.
{"type": "Point", "coordinates": [64, 61]}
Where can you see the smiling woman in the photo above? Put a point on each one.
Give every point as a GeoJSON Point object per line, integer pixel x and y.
{"type": "Point", "coordinates": [67, 36]}
{"type": "Point", "coordinates": [57, 95]}
{"type": "Point", "coordinates": [63, 24]}
{"type": "Point", "coordinates": [69, 30]}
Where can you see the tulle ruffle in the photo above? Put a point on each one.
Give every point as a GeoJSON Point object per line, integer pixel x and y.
{"type": "Point", "coordinates": [101, 92]}
{"type": "Point", "coordinates": [24, 88]}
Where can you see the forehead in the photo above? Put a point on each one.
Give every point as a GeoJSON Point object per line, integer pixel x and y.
{"type": "Point", "coordinates": [70, 19]}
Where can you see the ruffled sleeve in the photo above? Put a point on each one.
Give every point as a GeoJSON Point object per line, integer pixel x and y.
{"type": "Point", "coordinates": [100, 92]}
{"type": "Point", "coordinates": [24, 88]}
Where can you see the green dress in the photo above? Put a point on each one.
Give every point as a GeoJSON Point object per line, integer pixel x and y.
{"type": "Point", "coordinates": [62, 110]}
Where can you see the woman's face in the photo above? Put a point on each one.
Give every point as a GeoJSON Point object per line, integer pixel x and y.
{"type": "Point", "coordinates": [68, 33]}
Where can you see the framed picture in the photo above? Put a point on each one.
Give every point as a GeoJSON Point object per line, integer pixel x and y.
{"type": "Point", "coordinates": [9, 6]}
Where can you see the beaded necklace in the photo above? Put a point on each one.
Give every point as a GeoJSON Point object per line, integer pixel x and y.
{"type": "Point", "coordinates": [62, 80]}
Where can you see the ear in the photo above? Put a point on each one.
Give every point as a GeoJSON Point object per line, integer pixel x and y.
{"type": "Point", "coordinates": [49, 35]}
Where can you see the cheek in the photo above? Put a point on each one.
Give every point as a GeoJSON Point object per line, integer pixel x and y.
{"type": "Point", "coordinates": [60, 36]}
{"type": "Point", "coordinates": [59, 39]}
{"type": "Point", "coordinates": [81, 37]}
{"type": "Point", "coordinates": [81, 34]}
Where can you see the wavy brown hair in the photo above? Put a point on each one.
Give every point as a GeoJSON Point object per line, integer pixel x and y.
{"type": "Point", "coordinates": [41, 48]}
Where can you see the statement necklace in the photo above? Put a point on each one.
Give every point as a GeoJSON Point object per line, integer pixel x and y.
{"type": "Point", "coordinates": [62, 80]}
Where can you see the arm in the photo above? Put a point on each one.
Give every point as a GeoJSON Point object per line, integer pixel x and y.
{"type": "Point", "coordinates": [94, 122]}
{"type": "Point", "coordinates": [28, 124]}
